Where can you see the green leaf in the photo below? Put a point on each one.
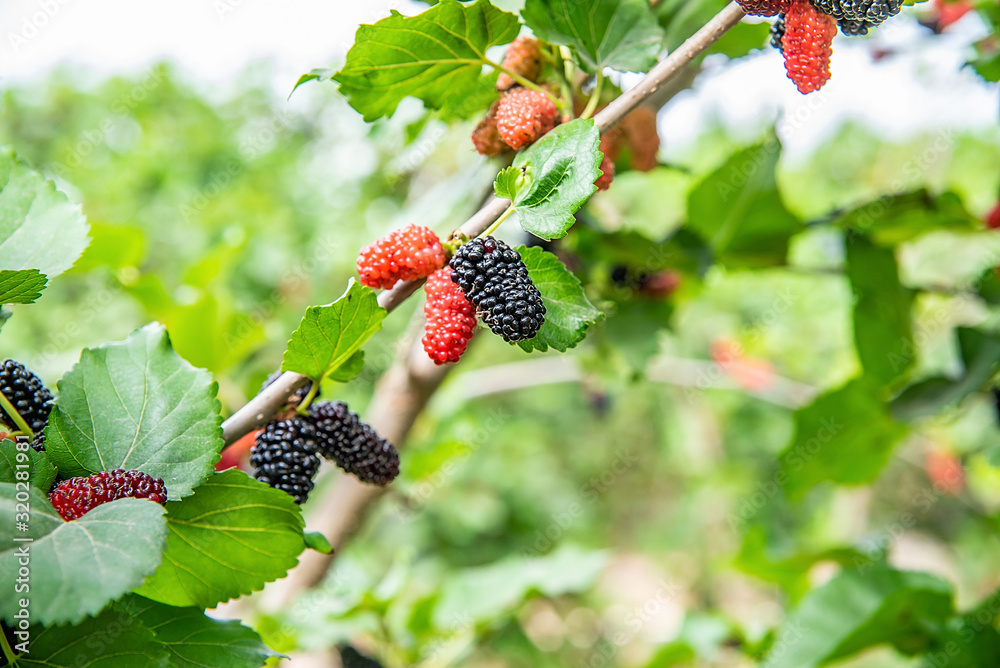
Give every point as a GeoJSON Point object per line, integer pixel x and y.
{"type": "Point", "coordinates": [317, 74]}
{"type": "Point", "coordinates": [112, 639]}
{"type": "Point", "coordinates": [883, 334]}
{"type": "Point", "coordinates": [317, 541]}
{"type": "Point", "coordinates": [195, 640]}
{"type": "Point", "coordinates": [860, 609]}
{"type": "Point", "coordinates": [683, 18]}
{"type": "Point", "coordinates": [78, 567]}
{"type": "Point", "coordinates": [552, 179]}
{"type": "Point", "coordinates": [436, 56]}
{"type": "Point", "coordinates": [892, 220]}
{"type": "Point", "coordinates": [981, 357]}
{"type": "Point", "coordinates": [844, 436]}
{"type": "Point", "coordinates": [568, 312]}
{"type": "Point", "coordinates": [484, 593]}
{"type": "Point", "coordinates": [21, 287]}
{"type": "Point", "coordinates": [620, 34]}
{"type": "Point", "coordinates": [738, 211]}
{"type": "Point", "coordinates": [137, 405]}
{"type": "Point", "coordinates": [329, 336]}
{"type": "Point", "coordinates": [229, 538]}
{"type": "Point", "coordinates": [39, 227]}
{"type": "Point", "coordinates": [26, 460]}
{"type": "Point", "coordinates": [350, 369]}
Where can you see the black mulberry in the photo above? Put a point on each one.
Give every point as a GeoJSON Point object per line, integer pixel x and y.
{"type": "Point", "coordinates": [29, 397]}
{"type": "Point", "coordinates": [285, 457]}
{"type": "Point", "coordinates": [855, 17]}
{"type": "Point", "coordinates": [354, 446]}
{"type": "Point", "coordinates": [494, 278]}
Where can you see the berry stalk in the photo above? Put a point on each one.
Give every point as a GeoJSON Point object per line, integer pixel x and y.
{"type": "Point", "coordinates": [595, 97]}
{"type": "Point", "coordinates": [12, 413]}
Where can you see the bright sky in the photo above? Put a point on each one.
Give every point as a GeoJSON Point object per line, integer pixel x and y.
{"type": "Point", "coordinates": [214, 40]}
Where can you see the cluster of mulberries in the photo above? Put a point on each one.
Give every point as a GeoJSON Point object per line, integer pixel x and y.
{"type": "Point", "coordinates": [521, 115]}
{"type": "Point", "coordinates": [288, 452]}
{"type": "Point", "coordinates": [75, 497]}
{"type": "Point", "coordinates": [804, 31]}
{"type": "Point", "coordinates": [29, 397]}
{"type": "Point", "coordinates": [603, 182]}
{"type": "Point", "coordinates": [495, 279]}
{"type": "Point", "coordinates": [450, 316]}
{"type": "Point", "coordinates": [403, 255]}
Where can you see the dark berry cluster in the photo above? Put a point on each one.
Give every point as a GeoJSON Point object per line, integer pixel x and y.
{"type": "Point", "coordinates": [285, 456]}
{"type": "Point", "coordinates": [856, 17]}
{"type": "Point", "coordinates": [74, 497]}
{"type": "Point", "coordinates": [353, 445]}
{"type": "Point", "coordinates": [29, 397]}
{"type": "Point", "coordinates": [494, 278]}
{"type": "Point", "coordinates": [762, 7]}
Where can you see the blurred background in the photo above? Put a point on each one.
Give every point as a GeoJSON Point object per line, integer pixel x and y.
{"type": "Point", "coordinates": [598, 508]}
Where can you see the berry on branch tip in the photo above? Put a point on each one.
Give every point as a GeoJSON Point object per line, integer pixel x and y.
{"type": "Point", "coordinates": [524, 115]}
{"type": "Point", "coordinates": [451, 318]}
{"type": "Point", "coordinates": [495, 279]}
{"type": "Point", "coordinates": [285, 456]}
{"type": "Point", "coordinates": [403, 255]}
{"type": "Point", "coordinates": [353, 445]}
{"type": "Point", "coordinates": [806, 46]}
{"type": "Point", "coordinates": [75, 497]}
{"type": "Point", "coordinates": [523, 58]}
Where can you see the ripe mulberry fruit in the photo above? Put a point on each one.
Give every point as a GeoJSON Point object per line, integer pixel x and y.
{"type": "Point", "coordinates": [285, 456]}
{"type": "Point", "coordinates": [494, 278]}
{"type": "Point", "coordinates": [403, 255]}
{"type": "Point", "coordinates": [486, 138]}
{"type": "Point", "coordinates": [451, 318]}
{"type": "Point", "coordinates": [806, 46]}
{"type": "Point", "coordinates": [354, 446]}
{"type": "Point", "coordinates": [524, 58]}
{"type": "Point", "coordinates": [74, 497]}
{"type": "Point", "coordinates": [29, 397]}
{"type": "Point", "coordinates": [872, 12]}
{"type": "Point", "coordinates": [763, 7]}
{"type": "Point", "coordinates": [524, 115]}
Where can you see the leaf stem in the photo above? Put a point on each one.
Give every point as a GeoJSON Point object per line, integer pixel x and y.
{"type": "Point", "coordinates": [8, 652]}
{"type": "Point", "coordinates": [492, 228]}
{"type": "Point", "coordinates": [304, 404]}
{"type": "Point", "coordinates": [565, 88]}
{"type": "Point", "coordinates": [9, 409]}
{"type": "Point", "coordinates": [595, 96]}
